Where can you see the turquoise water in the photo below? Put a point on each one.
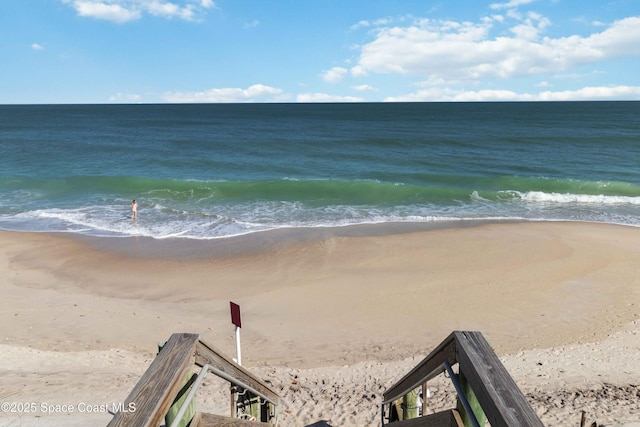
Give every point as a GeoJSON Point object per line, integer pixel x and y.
{"type": "Point", "coordinates": [209, 171]}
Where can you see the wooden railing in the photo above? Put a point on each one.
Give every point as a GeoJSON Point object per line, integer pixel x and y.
{"type": "Point", "coordinates": [168, 383]}
{"type": "Point", "coordinates": [481, 377]}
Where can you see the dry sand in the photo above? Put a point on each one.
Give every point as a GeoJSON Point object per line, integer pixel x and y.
{"type": "Point", "coordinates": [331, 321]}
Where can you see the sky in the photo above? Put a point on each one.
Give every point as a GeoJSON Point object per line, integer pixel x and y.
{"type": "Point", "coordinates": [216, 51]}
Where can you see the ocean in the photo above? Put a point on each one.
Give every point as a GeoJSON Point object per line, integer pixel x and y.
{"type": "Point", "coordinates": [206, 171]}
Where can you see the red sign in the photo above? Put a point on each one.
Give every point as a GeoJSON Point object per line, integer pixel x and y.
{"type": "Point", "coordinates": [235, 314]}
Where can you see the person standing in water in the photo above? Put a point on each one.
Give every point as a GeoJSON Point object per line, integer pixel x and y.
{"type": "Point", "coordinates": [134, 209]}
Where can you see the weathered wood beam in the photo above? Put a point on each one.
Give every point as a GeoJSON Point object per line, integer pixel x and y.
{"type": "Point", "coordinates": [502, 401]}
{"type": "Point", "coordinates": [431, 366]}
{"type": "Point", "coordinates": [154, 393]}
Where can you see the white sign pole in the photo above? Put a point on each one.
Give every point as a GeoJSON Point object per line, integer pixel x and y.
{"type": "Point", "coordinates": [238, 349]}
{"type": "Point", "coordinates": [237, 322]}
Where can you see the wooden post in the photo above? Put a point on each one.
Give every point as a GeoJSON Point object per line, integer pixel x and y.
{"type": "Point", "coordinates": [254, 406]}
{"type": "Point", "coordinates": [179, 401]}
{"type": "Point", "coordinates": [265, 412]}
{"type": "Point", "coordinates": [234, 396]}
{"type": "Point", "coordinates": [473, 403]}
{"type": "Point", "coordinates": [425, 399]}
{"type": "Point", "coordinates": [409, 405]}
{"type": "Point", "coordinates": [395, 411]}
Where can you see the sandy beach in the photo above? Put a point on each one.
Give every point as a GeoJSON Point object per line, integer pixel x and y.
{"type": "Point", "coordinates": [330, 318]}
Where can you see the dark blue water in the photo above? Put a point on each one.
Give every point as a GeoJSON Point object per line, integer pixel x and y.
{"type": "Point", "coordinates": [206, 171]}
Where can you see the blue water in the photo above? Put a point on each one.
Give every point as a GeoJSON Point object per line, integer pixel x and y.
{"type": "Point", "coordinates": [209, 171]}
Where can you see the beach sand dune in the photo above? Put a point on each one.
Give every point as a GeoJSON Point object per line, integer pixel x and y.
{"type": "Point", "coordinates": [330, 321]}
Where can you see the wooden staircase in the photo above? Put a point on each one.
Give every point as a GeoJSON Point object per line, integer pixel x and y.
{"type": "Point", "coordinates": [167, 386]}
{"type": "Point", "coordinates": [485, 390]}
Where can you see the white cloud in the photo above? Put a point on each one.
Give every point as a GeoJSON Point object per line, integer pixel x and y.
{"type": "Point", "coordinates": [622, 38]}
{"type": "Point", "coordinates": [334, 75]}
{"type": "Point", "coordinates": [631, 93]}
{"type": "Point", "coordinates": [437, 94]}
{"type": "Point", "coordinates": [37, 46]}
{"type": "Point", "coordinates": [125, 98]}
{"type": "Point", "coordinates": [378, 22]}
{"type": "Point", "coordinates": [108, 12]}
{"type": "Point", "coordinates": [361, 24]}
{"type": "Point", "coordinates": [254, 93]}
{"type": "Point", "coordinates": [531, 28]}
{"type": "Point", "coordinates": [364, 88]}
{"type": "Point", "coordinates": [170, 10]}
{"type": "Point", "coordinates": [445, 50]}
{"type": "Point", "coordinates": [121, 11]}
{"type": "Point", "coordinates": [510, 5]}
{"type": "Point", "coordinates": [419, 49]}
{"type": "Point", "coordinates": [601, 93]}
{"type": "Point", "coordinates": [324, 97]}
{"type": "Point", "coordinates": [358, 71]}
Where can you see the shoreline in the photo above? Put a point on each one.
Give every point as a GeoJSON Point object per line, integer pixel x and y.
{"type": "Point", "coordinates": [363, 305]}
{"type": "Point", "coordinates": [186, 249]}
{"type": "Point", "coordinates": [259, 241]}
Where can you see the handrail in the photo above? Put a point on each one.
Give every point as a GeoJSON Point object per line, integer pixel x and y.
{"type": "Point", "coordinates": [430, 367]}
{"type": "Point", "coordinates": [500, 398]}
{"type": "Point", "coordinates": [461, 396]}
{"type": "Point", "coordinates": [203, 372]}
{"type": "Point", "coordinates": [205, 353]}
{"type": "Point", "coordinates": [153, 395]}
{"type": "Point", "coordinates": [157, 389]}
